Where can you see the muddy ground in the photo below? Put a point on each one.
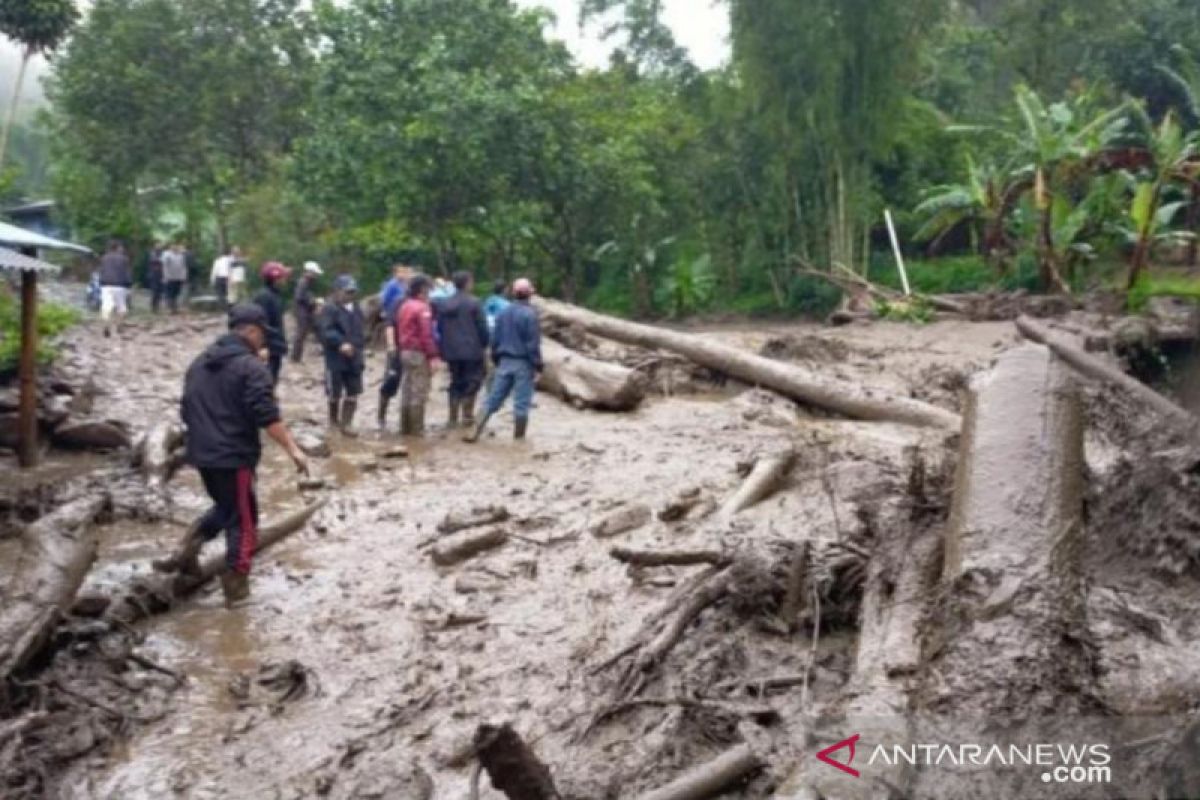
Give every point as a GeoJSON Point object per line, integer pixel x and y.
{"type": "Point", "coordinates": [395, 661]}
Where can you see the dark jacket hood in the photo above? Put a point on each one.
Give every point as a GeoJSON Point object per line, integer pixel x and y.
{"type": "Point", "coordinates": [224, 350]}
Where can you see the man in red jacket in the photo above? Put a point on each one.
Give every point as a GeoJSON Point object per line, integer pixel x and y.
{"type": "Point", "coordinates": [418, 355]}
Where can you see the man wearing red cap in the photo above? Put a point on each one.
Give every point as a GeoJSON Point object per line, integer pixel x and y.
{"type": "Point", "coordinates": [270, 299]}
{"type": "Point", "coordinates": [517, 353]}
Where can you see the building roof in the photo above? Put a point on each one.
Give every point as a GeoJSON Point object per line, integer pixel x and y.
{"type": "Point", "coordinates": [12, 236]}
{"type": "Point", "coordinates": [31, 207]}
{"type": "Point", "coordinates": [12, 261]}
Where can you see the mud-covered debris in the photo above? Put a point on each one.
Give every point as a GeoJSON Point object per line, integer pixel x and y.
{"type": "Point", "coordinates": [475, 518]}
{"type": "Point", "coordinates": [680, 506]}
{"type": "Point", "coordinates": [275, 685]}
{"type": "Point", "coordinates": [311, 484]}
{"type": "Point", "coordinates": [459, 547]}
{"type": "Point", "coordinates": [91, 435]}
{"type": "Point", "coordinates": [512, 765]}
{"type": "Point", "coordinates": [806, 348]}
{"type": "Point", "coordinates": [313, 444]}
{"type": "Point", "coordinates": [623, 520]}
{"type": "Point", "coordinates": [396, 452]}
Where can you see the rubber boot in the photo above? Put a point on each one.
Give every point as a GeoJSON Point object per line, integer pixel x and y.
{"type": "Point", "coordinates": [349, 407]}
{"type": "Point", "coordinates": [455, 405]}
{"type": "Point", "coordinates": [520, 425]}
{"type": "Point", "coordinates": [186, 558]}
{"type": "Point", "coordinates": [406, 421]}
{"type": "Point", "coordinates": [333, 413]}
{"type": "Point", "coordinates": [418, 420]}
{"type": "Point", "coordinates": [383, 409]}
{"type": "Point", "coordinates": [236, 588]}
{"type": "Point", "coordinates": [473, 436]}
{"type": "Point", "coordinates": [468, 411]}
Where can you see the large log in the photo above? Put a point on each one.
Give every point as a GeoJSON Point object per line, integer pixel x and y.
{"type": "Point", "coordinates": [1014, 596]}
{"type": "Point", "coordinates": [153, 593]}
{"type": "Point", "coordinates": [588, 383]}
{"type": "Point", "coordinates": [56, 553]}
{"type": "Point", "coordinates": [766, 476]}
{"type": "Point", "coordinates": [790, 380]}
{"type": "Point", "coordinates": [710, 779]}
{"type": "Point", "coordinates": [1093, 367]}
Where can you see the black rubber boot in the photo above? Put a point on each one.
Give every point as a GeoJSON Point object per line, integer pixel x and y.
{"type": "Point", "coordinates": [520, 425]}
{"type": "Point", "coordinates": [406, 421]}
{"type": "Point", "coordinates": [186, 558]}
{"type": "Point", "coordinates": [236, 588]}
{"type": "Point", "coordinates": [333, 413]}
{"type": "Point", "coordinates": [418, 421]}
{"type": "Point", "coordinates": [349, 407]}
{"type": "Point", "coordinates": [383, 408]}
{"type": "Point", "coordinates": [473, 436]}
{"type": "Point", "coordinates": [468, 411]}
{"type": "Point", "coordinates": [455, 405]}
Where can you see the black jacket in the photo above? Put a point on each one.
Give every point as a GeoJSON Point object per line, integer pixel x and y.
{"type": "Point", "coordinates": [271, 302]}
{"type": "Point", "coordinates": [341, 326]}
{"type": "Point", "coordinates": [227, 397]}
{"type": "Point", "coordinates": [462, 328]}
{"type": "Point", "coordinates": [115, 270]}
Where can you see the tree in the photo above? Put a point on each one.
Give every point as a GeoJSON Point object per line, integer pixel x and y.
{"type": "Point", "coordinates": [38, 26]}
{"type": "Point", "coordinates": [983, 203]}
{"type": "Point", "coordinates": [1173, 158]}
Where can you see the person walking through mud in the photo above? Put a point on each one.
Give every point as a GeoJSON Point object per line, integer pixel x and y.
{"type": "Point", "coordinates": [219, 277]}
{"type": "Point", "coordinates": [175, 275]}
{"type": "Point", "coordinates": [237, 276]}
{"type": "Point", "coordinates": [270, 298]}
{"type": "Point", "coordinates": [517, 353]}
{"type": "Point", "coordinates": [116, 276]}
{"type": "Point", "coordinates": [154, 277]}
{"type": "Point", "coordinates": [391, 297]}
{"type": "Point", "coordinates": [344, 334]}
{"type": "Point", "coordinates": [305, 309]}
{"type": "Point", "coordinates": [463, 337]}
{"type": "Point", "coordinates": [418, 356]}
{"type": "Point", "coordinates": [227, 399]}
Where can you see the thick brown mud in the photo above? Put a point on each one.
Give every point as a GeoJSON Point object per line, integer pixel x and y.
{"type": "Point", "coordinates": [399, 660]}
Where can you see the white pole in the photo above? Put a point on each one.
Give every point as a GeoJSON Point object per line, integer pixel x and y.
{"type": "Point", "coordinates": [887, 215]}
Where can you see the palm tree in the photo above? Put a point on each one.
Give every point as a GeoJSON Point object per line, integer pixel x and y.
{"type": "Point", "coordinates": [1174, 158]}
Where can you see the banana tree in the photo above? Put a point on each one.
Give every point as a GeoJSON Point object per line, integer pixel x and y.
{"type": "Point", "coordinates": [1174, 159]}
{"type": "Point", "coordinates": [1058, 143]}
{"type": "Point", "coordinates": [983, 203]}
{"type": "Point", "coordinates": [1183, 76]}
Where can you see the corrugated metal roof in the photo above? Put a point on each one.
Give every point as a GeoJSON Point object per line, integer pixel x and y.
{"type": "Point", "coordinates": [12, 236]}
{"type": "Point", "coordinates": [11, 260]}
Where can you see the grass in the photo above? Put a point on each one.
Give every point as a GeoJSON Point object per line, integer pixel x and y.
{"type": "Point", "coordinates": [52, 320]}
{"type": "Point", "coordinates": [1161, 285]}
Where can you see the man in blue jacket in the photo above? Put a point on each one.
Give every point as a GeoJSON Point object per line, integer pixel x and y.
{"type": "Point", "coordinates": [517, 353]}
{"type": "Point", "coordinates": [343, 332]}
{"type": "Point", "coordinates": [228, 395]}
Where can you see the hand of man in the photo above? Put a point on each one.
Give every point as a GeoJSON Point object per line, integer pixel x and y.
{"type": "Point", "coordinates": [347, 350]}
{"type": "Point", "coordinates": [301, 462]}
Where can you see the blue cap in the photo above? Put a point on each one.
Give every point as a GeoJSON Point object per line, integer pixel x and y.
{"type": "Point", "coordinates": [346, 283]}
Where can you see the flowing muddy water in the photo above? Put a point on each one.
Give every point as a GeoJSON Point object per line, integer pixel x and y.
{"type": "Point", "coordinates": [406, 658]}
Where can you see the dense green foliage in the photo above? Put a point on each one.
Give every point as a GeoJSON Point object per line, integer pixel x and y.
{"type": "Point", "coordinates": [1026, 141]}
{"type": "Point", "coordinates": [51, 321]}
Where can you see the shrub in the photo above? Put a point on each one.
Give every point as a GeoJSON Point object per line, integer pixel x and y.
{"type": "Point", "coordinates": [51, 321]}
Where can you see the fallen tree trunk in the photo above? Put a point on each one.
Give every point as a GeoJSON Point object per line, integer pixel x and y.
{"type": "Point", "coordinates": [1014, 595]}
{"type": "Point", "coordinates": [154, 593]}
{"type": "Point", "coordinates": [56, 553]}
{"type": "Point", "coordinates": [587, 383]}
{"type": "Point", "coordinates": [467, 544]}
{"type": "Point", "coordinates": [789, 380]}
{"type": "Point", "coordinates": [669, 558]}
{"type": "Point", "coordinates": [157, 454]}
{"type": "Point", "coordinates": [768, 472]}
{"type": "Point", "coordinates": [709, 780]}
{"type": "Point", "coordinates": [1093, 367]}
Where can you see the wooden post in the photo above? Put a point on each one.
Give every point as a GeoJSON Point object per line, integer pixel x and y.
{"type": "Point", "coordinates": [27, 447]}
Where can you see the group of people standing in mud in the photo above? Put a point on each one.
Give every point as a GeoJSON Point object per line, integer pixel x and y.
{"type": "Point", "coordinates": [230, 390]}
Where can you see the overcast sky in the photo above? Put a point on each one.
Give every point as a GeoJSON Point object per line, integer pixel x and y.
{"type": "Point", "coordinates": [698, 25]}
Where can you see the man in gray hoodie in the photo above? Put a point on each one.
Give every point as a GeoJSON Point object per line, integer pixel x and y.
{"type": "Point", "coordinates": [116, 276]}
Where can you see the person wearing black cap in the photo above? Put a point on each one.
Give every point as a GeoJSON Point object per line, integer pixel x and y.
{"type": "Point", "coordinates": [343, 332]}
{"type": "Point", "coordinates": [227, 397]}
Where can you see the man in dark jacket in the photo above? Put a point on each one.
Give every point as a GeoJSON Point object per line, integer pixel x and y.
{"type": "Point", "coordinates": [305, 309]}
{"type": "Point", "coordinates": [517, 353]}
{"type": "Point", "coordinates": [154, 277]}
{"type": "Point", "coordinates": [463, 331]}
{"type": "Point", "coordinates": [116, 276]}
{"type": "Point", "coordinates": [270, 299]}
{"type": "Point", "coordinates": [343, 332]}
{"type": "Point", "coordinates": [227, 398]}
